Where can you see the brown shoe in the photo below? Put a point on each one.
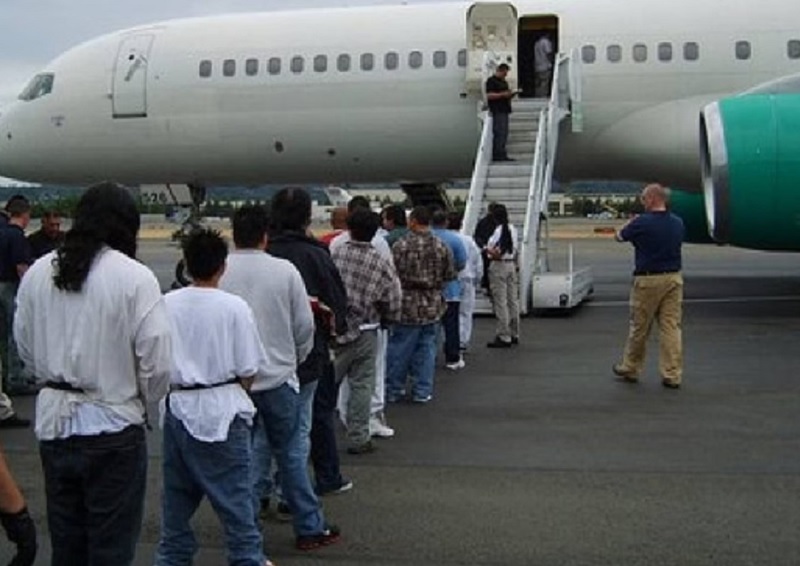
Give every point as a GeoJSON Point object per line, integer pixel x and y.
{"type": "Point", "coordinates": [624, 375]}
{"type": "Point", "coordinates": [669, 384]}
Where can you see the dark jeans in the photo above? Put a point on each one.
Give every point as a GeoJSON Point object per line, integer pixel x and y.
{"type": "Point", "coordinates": [95, 496]}
{"type": "Point", "coordinates": [324, 453]}
{"type": "Point", "coordinates": [499, 136]}
{"type": "Point", "coordinates": [452, 340]}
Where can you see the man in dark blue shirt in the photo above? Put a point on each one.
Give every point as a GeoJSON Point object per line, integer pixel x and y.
{"type": "Point", "coordinates": [657, 292]}
{"type": "Point", "coordinates": [15, 258]}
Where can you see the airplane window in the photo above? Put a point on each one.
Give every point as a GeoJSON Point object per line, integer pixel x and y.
{"type": "Point", "coordinates": [462, 58]}
{"type": "Point", "coordinates": [40, 85]}
{"type": "Point", "coordinates": [665, 51]}
{"type": "Point", "coordinates": [251, 67]}
{"type": "Point", "coordinates": [205, 68]}
{"type": "Point", "coordinates": [321, 63]}
{"type": "Point", "coordinates": [415, 59]}
{"type": "Point", "coordinates": [391, 61]}
{"type": "Point", "coordinates": [439, 59]}
{"type": "Point", "coordinates": [367, 61]}
{"type": "Point", "coordinates": [229, 67]}
{"type": "Point", "coordinates": [640, 53]}
{"type": "Point", "coordinates": [274, 66]}
{"type": "Point", "coordinates": [691, 51]}
{"type": "Point", "coordinates": [793, 49]}
{"type": "Point", "coordinates": [296, 65]}
{"type": "Point", "coordinates": [343, 62]}
{"type": "Point", "coordinates": [614, 53]}
{"type": "Point", "coordinates": [743, 50]}
{"type": "Point", "coordinates": [588, 54]}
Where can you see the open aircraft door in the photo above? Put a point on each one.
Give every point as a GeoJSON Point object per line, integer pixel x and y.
{"type": "Point", "coordinates": [491, 40]}
{"type": "Point", "coordinates": [129, 97]}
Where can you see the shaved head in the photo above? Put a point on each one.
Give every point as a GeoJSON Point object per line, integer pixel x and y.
{"type": "Point", "coordinates": [655, 197]}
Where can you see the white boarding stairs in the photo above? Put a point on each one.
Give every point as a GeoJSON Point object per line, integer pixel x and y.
{"type": "Point", "coordinates": [524, 185]}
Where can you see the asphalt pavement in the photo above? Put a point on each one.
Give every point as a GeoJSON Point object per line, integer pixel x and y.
{"type": "Point", "coordinates": [536, 456]}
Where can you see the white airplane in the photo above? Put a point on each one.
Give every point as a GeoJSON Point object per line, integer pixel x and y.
{"type": "Point", "coordinates": [390, 93]}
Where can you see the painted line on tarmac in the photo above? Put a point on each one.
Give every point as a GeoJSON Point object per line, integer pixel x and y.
{"type": "Point", "coordinates": [710, 300]}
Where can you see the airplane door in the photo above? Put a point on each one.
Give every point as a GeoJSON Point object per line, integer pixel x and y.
{"type": "Point", "coordinates": [130, 77]}
{"type": "Point", "coordinates": [491, 39]}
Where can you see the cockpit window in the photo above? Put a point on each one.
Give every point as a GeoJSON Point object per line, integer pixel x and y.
{"type": "Point", "coordinates": [39, 86]}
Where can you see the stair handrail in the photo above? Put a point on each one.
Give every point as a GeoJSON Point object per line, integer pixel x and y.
{"type": "Point", "coordinates": [480, 173]}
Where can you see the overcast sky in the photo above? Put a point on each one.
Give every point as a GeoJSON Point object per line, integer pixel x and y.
{"type": "Point", "coordinates": [32, 32]}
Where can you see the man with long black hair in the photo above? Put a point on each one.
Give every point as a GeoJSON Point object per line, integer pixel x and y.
{"type": "Point", "coordinates": [92, 327]}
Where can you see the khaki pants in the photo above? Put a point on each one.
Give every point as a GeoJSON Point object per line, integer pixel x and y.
{"type": "Point", "coordinates": [656, 298]}
{"type": "Point", "coordinates": [504, 284]}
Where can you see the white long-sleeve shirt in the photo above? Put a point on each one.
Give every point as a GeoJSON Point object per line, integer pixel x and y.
{"type": "Point", "coordinates": [214, 340]}
{"type": "Point", "coordinates": [473, 269]}
{"type": "Point", "coordinates": [274, 289]}
{"type": "Point", "coordinates": [111, 339]}
{"type": "Point", "coordinates": [378, 242]}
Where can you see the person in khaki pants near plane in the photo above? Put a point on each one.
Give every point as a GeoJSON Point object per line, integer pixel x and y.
{"type": "Point", "coordinates": [657, 291]}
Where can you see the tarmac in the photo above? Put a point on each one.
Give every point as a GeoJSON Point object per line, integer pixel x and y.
{"type": "Point", "coordinates": [536, 456]}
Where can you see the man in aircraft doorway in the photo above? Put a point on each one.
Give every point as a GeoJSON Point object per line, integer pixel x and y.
{"type": "Point", "coordinates": [543, 66]}
{"type": "Point", "coordinates": [499, 96]}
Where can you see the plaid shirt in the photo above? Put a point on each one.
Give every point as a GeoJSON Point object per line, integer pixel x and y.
{"type": "Point", "coordinates": [425, 264]}
{"type": "Point", "coordinates": [373, 289]}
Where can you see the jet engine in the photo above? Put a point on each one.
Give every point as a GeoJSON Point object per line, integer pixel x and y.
{"type": "Point", "coordinates": [750, 158]}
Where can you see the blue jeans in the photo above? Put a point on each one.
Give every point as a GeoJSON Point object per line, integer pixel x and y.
{"type": "Point", "coordinates": [95, 489]}
{"type": "Point", "coordinates": [307, 393]}
{"type": "Point", "coordinates": [412, 350]}
{"type": "Point", "coordinates": [262, 462]}
{"type": "Point", "coordinates": [324, 453]}
{"type": "Point", "coordinates": [218, 470]}
{"type": "Point", "coordinates": [282, 411]}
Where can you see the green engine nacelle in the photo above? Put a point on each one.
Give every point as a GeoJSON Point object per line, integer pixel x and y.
{"type": "Point", "coordinates": [750, 154]}
{"type": "Point", "coordinates": [692, 210]}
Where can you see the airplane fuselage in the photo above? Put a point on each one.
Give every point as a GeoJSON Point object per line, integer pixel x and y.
{"type": "Point", "coordinates": [347, 116]}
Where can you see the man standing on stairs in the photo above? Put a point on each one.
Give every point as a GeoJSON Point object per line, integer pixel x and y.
{"type": "Point", "coordinates": [543, 66]}
{"type": "Point", "coordinates": [498, 96]}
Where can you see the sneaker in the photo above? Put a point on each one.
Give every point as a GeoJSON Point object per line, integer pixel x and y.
{"type": "Point", "coordinates": [455, 366]}
{"type": "Point", "coordinates": [344, 487]}
{"type": "Point", "coordinates": [330, 535]}
{"type": "Point", "coordinates": [14, 421]}
{"type": "Point", "coordinates": [499, 343]}
{"type": "Point", "coordinates": [366, 448]}
{"type": "Point", "coordinates": [422, 400]}
{"type": "Point", "coordinates": [282, 512]}
{"type": "Point", "coordinates": [377, 427]}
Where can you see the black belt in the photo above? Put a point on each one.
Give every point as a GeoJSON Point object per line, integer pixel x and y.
{"type": "Point", "coordinates": [648, 273]}
{"type": "Point", "coordinates": [196, 386]}
{"type": "Point", "coordinates": [63, 386]}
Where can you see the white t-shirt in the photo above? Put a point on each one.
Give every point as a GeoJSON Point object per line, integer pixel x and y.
{"type": "Point", "coordinates": [274, 289]}
{"type": "Point", "coordinates": [378, 242]}
{"type": "Point", "coordinates": [111, 339]}
{"type": "Point", "coordinates": [214, 340]}
{"type": "Point", "coordinates": [542, 50]}
{"type": "Point", "coordinates": [494, 241]}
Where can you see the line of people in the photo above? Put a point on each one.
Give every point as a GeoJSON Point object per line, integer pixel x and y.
{"type": "Point", "coordinates": [245, 365]}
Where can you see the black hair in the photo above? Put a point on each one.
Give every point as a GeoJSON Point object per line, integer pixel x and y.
{"type": "Point", "coordinates": [455, 220]}
{"type": "Point", "coordinates": [397, 214]}
{"type": "Point", "coordinates": [421, 215]}
{"type": "Point", "coordinates": [204, 251]}
{"type": "Point", "coordinates": [18, 205]}
{"type": "Point", "coordinates": [358, 202]}
{"type": "Point", "coordinates": [106, 215]}
{"type": "Point", "coordinates": [506, 243]}
{"type": "Point", "coordinates": [503, 67]}
{"type": "Point", "coordinates": [291, 209]}
{"type": "Point", "coordinates": [438, 217]}
{"type": "Point", "coordinates": [363, 224]}
{"type": "Point", "coordinates": [250, 224]}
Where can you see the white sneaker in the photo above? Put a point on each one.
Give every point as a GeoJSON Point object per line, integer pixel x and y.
{"type": "Point", "coordinates": [456, 365]}
{"type": "Point", "coordinates": [378, 428]}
